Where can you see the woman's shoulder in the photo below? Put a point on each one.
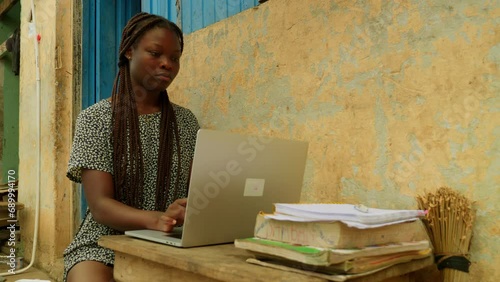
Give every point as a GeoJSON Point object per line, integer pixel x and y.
{"type": "Point", "coordinates": [100, 111]}
{"type": "Point", "coordinates": [187, 121]}
{"type": "Point", "coordinates": [183, 113]}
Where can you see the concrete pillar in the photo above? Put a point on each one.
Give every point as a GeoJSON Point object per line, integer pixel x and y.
{"type": "Point", "coordinates": [54, 21]}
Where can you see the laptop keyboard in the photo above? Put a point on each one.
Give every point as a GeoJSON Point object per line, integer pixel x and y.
{"type": "Point", "coordinates": [175, 235]}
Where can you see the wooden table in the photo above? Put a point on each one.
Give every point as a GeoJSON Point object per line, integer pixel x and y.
{"type": "Point", "coordinates": [139, 260]}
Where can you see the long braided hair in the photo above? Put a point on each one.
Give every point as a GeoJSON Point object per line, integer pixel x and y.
{"type": "Point", "coordinates": [128, 162]}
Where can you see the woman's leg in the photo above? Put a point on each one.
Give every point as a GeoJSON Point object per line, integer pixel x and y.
{"type": "Point", "coordinates": [90, 271]}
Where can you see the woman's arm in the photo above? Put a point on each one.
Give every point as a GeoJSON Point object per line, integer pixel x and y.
{"type": "Point", "coordinates": [99, 192]}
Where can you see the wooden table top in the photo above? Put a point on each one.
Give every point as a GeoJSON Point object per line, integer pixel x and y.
{"type": "Point", "coordinates": [223, 262]}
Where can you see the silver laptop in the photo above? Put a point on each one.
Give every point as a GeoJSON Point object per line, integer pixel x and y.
{"type": "Point", "coordinates": [233, 178]}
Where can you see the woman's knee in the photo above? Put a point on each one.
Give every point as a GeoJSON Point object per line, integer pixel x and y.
{"type": "Point", "coordinates": [90, 271]}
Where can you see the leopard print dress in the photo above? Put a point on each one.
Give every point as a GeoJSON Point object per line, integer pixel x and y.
{"type": "Point", "coordinates": [92, 149]}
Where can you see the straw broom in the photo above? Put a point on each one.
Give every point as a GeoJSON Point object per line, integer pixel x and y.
{"type": "Point", "coordinates": [449, 223]}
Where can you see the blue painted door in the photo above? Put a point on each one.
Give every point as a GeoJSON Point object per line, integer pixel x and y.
{"type": "Point", "coordinates": [103, 22]}
{"type": "Point", "coordinates": [196, 14]}
{"type": "Point", "coordinates": [165, 8]}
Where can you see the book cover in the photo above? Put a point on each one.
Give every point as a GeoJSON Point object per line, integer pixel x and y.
{"type": "Point", "coordinates": [324, 256]}
{"type": "Point", "coordinates": [336, 234]}
{"type": "Point", "coordinates": [379, 274]}
{"type": "Point", "coordinates": [355, 266]}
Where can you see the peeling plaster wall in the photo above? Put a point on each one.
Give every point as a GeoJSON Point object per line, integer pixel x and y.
{"type": "Point", "coordinates": [395, 98]}
{"type": "Point", "coordinates": [54, 24]}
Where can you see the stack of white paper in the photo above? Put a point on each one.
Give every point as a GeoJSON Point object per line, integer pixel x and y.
{"type": "Point", "coordinates": [352, 215]}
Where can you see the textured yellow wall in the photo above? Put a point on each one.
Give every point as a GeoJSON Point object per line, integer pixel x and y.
{"type": "Point", "coordinates": [53, 23]}
{"type": "Point", "coordinates": [395, 97]}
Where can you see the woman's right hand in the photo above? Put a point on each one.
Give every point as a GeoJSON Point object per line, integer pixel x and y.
{"type": "Point", "coordinates": [99, 192]}
{"type": "Point", "coordinates": [173, 216]}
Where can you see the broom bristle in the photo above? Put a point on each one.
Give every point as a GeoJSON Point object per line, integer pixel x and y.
{"type": "Point", "coordinates": [449, 224]}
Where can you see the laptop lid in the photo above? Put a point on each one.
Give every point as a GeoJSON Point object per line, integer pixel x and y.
{"type": "Point", "coordinates": [233, 178]}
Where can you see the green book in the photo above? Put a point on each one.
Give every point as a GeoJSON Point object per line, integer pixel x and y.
{"type": "Point", "coordinates": [329, 260]}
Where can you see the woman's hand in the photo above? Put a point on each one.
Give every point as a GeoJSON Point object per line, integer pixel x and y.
{"type": "Point", "coordinates": [98, 188]}
{"type": "Point", "coordinates": [174, 216]}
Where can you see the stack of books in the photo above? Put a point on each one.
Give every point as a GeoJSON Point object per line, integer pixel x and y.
{"type": "Point", "coordinates": [340, 242]}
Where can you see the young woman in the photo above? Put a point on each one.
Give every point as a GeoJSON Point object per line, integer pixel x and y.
{"type": "Point", "coordinates": [132, 153]}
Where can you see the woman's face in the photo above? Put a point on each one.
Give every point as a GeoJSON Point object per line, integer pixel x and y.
{"type": "Point", "coordinates": [154, 61]}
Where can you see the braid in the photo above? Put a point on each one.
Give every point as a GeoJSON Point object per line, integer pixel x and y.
{"type": "Point", "coordinates": [128, 163]}
{"type": "Point", "coordinates": [166, 152]}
